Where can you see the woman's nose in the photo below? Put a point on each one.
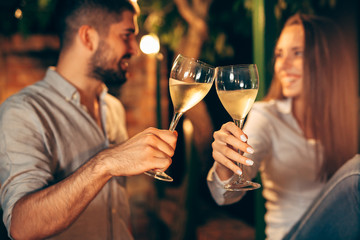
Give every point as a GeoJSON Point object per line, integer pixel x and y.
{"type": "Point", "coordinates": [286, 62]}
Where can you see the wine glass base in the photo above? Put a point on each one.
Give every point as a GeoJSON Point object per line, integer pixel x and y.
{"type": "Point", "coordinates": [241, 186]}
{"type": "Point", "coordinates": [159, 176]}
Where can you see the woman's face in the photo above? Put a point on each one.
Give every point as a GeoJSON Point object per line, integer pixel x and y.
{"type": "Point", "coordinates": [289, 53]}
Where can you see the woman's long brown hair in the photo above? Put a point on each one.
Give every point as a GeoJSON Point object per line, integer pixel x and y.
{"type": "Point", "coordinates": [330, 90]}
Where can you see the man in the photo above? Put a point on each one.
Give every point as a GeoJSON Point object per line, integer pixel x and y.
{"type": "Point", "coordinates": [63, 149]}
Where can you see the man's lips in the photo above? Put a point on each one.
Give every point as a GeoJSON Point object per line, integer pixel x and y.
{"type": "Point", "coordinates": [124, 64]}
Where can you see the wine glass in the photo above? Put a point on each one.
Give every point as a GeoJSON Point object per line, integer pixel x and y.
{"type": "Point", "coordinates": [237, 87]}
{"type": "Point", "coordinates": [190, 80]}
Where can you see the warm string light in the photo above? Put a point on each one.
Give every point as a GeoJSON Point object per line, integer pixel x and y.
{"type": "Point", "coordinates": [150, 44]}
{"type": "Point", "coordinates": [18, 13]}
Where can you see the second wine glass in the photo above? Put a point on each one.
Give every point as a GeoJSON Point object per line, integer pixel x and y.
{"type": "Point", "coordinates": [237, 87]}
{"type": "Point", "coordinates": [190, 81]}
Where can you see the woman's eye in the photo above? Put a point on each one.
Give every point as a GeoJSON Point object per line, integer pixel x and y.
{"type": "Point", "coordinates": [299, 53]}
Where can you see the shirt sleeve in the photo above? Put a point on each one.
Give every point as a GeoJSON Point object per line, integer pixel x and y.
{"type": "Point", "coordinates": [217, 190]}
{"type": "Point", "coordinates": [24, 160]}
{"type": "Point", "coordinates": [258, 130]}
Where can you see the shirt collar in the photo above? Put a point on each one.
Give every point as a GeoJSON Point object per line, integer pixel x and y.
{"type": "Point", "coordinates": [55, 80]}
{"type": "Point", "coordinates": [65, 88]}
{"type": "Point", "coordinates": [284, 106]}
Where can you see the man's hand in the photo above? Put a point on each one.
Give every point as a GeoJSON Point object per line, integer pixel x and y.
{"type": "Point", "coordinates": [150, 149]}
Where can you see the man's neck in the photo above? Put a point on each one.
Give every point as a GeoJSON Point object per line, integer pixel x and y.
{"type": "Point", "coordinates": [88, 88]}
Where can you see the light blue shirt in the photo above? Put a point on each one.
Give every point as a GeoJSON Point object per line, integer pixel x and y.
{"type": "Point", "coordinates": [46, 135]}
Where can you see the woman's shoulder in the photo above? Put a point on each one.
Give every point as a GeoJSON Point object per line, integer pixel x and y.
{"type": "Point", "coordinates": [271, 112]}
{"type": "Point", "coordinates": [273, 106]}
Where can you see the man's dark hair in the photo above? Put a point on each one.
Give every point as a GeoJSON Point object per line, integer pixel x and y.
{"type": "Point", "coordinates": [96, 13]}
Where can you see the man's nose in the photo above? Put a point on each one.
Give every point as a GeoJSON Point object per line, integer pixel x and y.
{"type": "Point", "coordinates": [134, 48]}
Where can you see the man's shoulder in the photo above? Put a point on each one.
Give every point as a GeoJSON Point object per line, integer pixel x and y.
{"type": "Point", "coordinates": [26, 94]}
{"type": "Point", "coordinates": [113, 103]}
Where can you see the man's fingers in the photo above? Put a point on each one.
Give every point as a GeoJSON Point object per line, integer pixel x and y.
{"type": "Point", "coordinates": [162, 163]}
{"type": "Point", "coordinates": [165, 140]}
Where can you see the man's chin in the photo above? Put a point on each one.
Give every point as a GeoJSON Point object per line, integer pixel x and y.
{"type": "Point", "coordinates": [118, 82]}
{"type": "Point", "coordinates": [109, 77]}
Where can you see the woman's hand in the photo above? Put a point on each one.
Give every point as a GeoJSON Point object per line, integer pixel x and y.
{"type": "Point", "coordinates": [227, 141]}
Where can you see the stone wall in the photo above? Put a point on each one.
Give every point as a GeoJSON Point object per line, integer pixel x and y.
{"type": "Point", "coordinates": [23, 61]}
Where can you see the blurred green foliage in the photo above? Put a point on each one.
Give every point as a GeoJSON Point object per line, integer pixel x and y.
{"type": "Point", "coordinates": [34, 16]}
{"type": "Point", "coordinates": [229, 22]}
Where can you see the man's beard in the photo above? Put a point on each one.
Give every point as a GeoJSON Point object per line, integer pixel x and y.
{"type": "Point", "coordinates": [110, 77]}
{"type": "Point", "coordinates": [98, 70]}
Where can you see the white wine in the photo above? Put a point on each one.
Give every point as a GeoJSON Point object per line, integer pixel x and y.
{"type": "Point", "coordinates": [237, 102]}
{"type": "Point", "coordinates": [185, 95]}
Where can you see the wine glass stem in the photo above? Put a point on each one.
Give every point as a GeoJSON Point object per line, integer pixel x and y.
{"type": "Point", "coordinates": [240, 123]}
{"type": "Point", "coordinates": [175, 120]}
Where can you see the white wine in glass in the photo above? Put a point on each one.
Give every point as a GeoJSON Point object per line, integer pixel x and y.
{"type": "Point", "coordinates": [237, 87]}
{"type": "Point", "coordinates": [190, 81]}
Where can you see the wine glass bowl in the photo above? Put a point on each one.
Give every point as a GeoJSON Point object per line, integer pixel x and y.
{"type": "Point", "coordinates": [190, 81]}
{"type": "Point", "coordinates": [237, 87]}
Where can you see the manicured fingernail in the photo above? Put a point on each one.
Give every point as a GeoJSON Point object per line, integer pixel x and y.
{"type": "Point", "coordinates": [249, 162]}
{"type": "Point", "coordinates": [250, 150]}
{"type": "Point", "coordinates": [243, 138]}
{"type": "Point", "coordinates": [239, 172]}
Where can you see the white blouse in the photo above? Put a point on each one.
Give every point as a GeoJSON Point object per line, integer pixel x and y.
{"type": "Point", "coordinates": [288, 165]}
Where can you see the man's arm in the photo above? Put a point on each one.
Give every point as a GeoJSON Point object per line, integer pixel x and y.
{"type": "Point", "coordinates": [51, 210]}
{"type": "Point", "coordinates": [48, 211]}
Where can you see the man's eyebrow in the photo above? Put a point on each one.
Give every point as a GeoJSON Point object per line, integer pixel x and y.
{"type": "Point", "coordinates": [132, 30]}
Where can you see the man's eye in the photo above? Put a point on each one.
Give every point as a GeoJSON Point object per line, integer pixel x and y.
{"type": "Point", "coordinates": [125, 36]}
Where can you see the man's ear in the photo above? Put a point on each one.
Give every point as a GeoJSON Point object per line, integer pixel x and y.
{"type": "Point", "coordinates": [88, 37]}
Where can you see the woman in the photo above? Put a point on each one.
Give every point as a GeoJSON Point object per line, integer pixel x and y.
{"type": "Point", "coordinates": [304, 131]}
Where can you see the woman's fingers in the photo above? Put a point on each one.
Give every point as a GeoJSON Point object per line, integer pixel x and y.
{"type": "Point", "coordinates": [230, 154]}
{"type": "Point", "coordinates": [234, 130]}
{"type": "Point", "coordinates": [224, 137]}
{"type": "Point", "coordinates": [229, 144]}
